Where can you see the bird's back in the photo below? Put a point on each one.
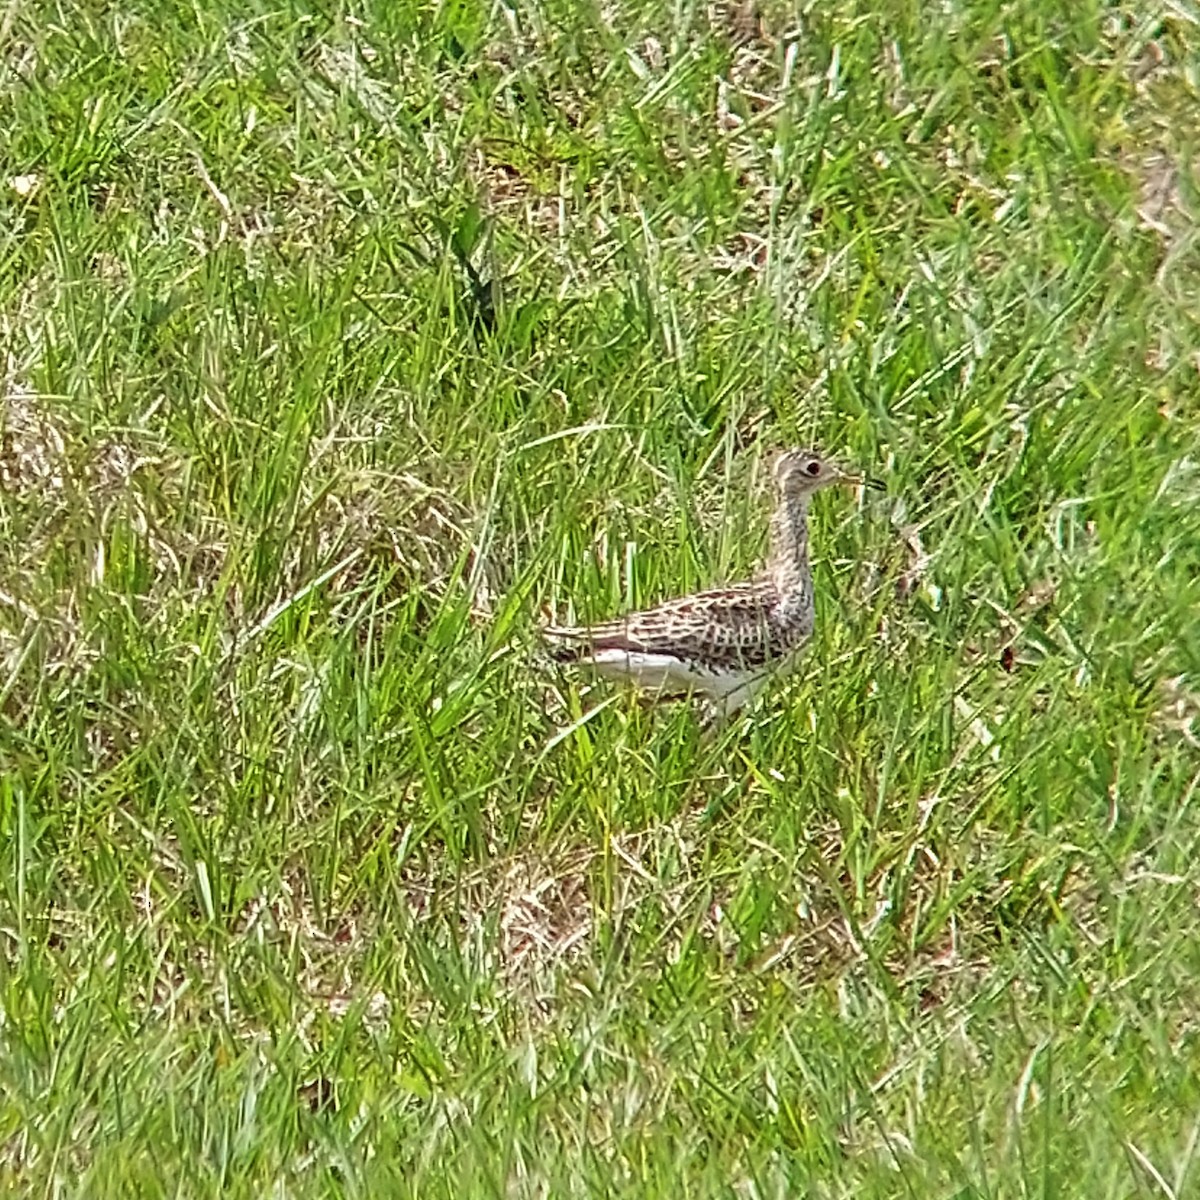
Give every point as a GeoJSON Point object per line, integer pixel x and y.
{"type": "Point", "coordinates": [743, 626]}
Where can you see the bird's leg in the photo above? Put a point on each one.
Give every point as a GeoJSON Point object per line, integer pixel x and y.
{"type": "Point", "coordinates": [719, 709]}
{"type": "Point", "coordinates": [713, 719]}
{"type": "Point", "coordinates": [734, 701]}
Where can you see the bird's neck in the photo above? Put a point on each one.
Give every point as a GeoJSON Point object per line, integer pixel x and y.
{"type": "Point", "coordinates": [787, 566]}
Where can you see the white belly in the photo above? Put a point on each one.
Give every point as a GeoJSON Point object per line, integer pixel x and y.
{"type": "Point", "coordinates": [663, 673]}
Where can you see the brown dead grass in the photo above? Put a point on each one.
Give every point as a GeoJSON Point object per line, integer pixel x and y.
{"type": "Point", "coordinates": [68, 494]}
{"type": "Point", "coordinates": [402, 528]}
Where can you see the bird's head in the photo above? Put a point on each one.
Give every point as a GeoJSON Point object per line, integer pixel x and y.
{"type": "Point", "coordinates": [801, 472]}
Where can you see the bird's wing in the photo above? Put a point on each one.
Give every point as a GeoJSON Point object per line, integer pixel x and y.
{"type": "Point", "coordinates": [734, 626]}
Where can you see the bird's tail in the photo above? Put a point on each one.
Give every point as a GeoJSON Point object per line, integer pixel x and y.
{"type": "Point", "coordinates": [566, 641]}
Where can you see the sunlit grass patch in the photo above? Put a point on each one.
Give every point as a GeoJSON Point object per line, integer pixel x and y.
{"type": "Point", "coordinates": [342, 349]}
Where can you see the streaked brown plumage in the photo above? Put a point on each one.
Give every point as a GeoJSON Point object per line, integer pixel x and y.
{"type": "Point", "coordinates": [724, 641]}
{"type": "Point", "coordinates": [725, 628]}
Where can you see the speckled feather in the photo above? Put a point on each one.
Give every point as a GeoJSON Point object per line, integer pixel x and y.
{"type": "Point", "coordinates": [745, 626]}
{"type": "Point", "coordinates": [725, 640]}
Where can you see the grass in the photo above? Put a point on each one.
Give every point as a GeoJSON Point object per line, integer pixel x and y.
{"type": "Point", "coordinates": [344, 344]}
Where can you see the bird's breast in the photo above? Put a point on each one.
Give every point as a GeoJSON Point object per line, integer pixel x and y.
{"type": "Point", "coordinates": [793, 617]}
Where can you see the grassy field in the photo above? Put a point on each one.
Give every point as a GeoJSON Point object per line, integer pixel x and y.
{"type": "Point", "coordinates": [344, 346]}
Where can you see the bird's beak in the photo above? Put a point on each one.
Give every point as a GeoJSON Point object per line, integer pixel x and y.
{"type": "Point", "coordinates": [852, 480]}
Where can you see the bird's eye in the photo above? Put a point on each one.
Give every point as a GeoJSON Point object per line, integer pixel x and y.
{"type": "Point", "coordinates": [813, 468]}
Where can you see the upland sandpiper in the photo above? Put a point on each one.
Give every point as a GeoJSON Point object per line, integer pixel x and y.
{"type": "Point", "coordinates": [722, 643]}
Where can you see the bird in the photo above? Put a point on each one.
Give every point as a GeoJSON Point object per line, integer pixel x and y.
{"type": "Point", "coordinates": [725, 642]}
